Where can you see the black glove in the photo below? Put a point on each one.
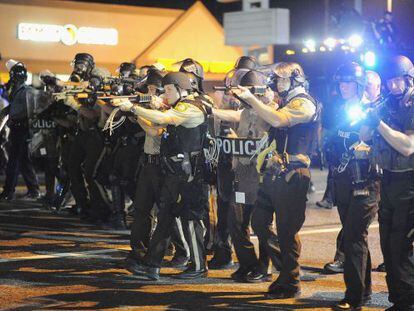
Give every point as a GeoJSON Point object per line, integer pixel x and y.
{"type": "Point", "coordinates": [372, 119]}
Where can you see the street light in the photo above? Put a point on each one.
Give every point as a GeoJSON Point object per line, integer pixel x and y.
{"type": "Point", "coordinates": [355, 41]}
{"type": "Point", "coordinates": [310, 44]}
{"type": "Point", "coordinates": [330, 42]}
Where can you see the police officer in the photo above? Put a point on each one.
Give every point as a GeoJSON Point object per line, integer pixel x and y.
{"type": "Point", "coordinates": [87, 147]}
{"type": "Point", "coordinates": [287, 177]}
{"type": "Point", "coordinates": [351, 84]}
{"type": "Point", "coordinates": [149, 179]}
{"type": "Point", "coordinates": [355, 189]}
{"type": "Point", "coordinates": [183, 193]}
{"type": "Point", "coordinates": [246, 182]}
{"type": "Point", "coordinates": [391, 128]}
{"type": "Point", "coordinates": [19, 159]}
{"type": "Point", "coordinates": [372, 96]}
{"type": "Point", "coordinates": [45, 140]}
{"type": "Point", "coordinates": [123, 153]}
{"type": "Point", "coordinates": [222, 257]}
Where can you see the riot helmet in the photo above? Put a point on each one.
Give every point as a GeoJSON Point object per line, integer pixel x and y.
{"type": "Point", "coordinates": [181, 83]}
{"type": "Point", "coordinates": [82, 64]}
{"type": "Point", "coordinates": [246, 62]}
{"type": "Point", "coordinates": [17, 71]}
{"type": "Point", "coordinates": [257, 78]}
{"type": "Point", "coordinates": [351, 72]}
{"type": "Point", "coordinates": [154, 78]}
{"type": "Point", "coordinates": [288, 76]}
{"type": "Point", "coordinates": [194, 71]}
{"type": "Point", "coordinates": [398, 72]}
{"type": "Point", "coordinates": [191, 66]}
{"type": "Point", "coordinates": [178, 79]}
{"type": "Point", "coordinates": [126, 69]}
{"type": "Point", "coordinates": [253, 78]}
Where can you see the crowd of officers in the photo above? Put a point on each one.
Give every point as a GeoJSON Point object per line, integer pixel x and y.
{"type": "Point", "coordinates": [156, 138]}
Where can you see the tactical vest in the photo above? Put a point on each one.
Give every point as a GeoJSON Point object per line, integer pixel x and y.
{"type": "Point", "coordinates": [343, 136]}
{"type": "Point", "coordinates": [385, 156]}
{"type": "Point", "coordinates": [179, 139]}
{"type": "Point", "coordinates": [297, 139]}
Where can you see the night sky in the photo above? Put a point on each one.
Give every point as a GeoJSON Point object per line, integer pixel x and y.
{"type": "Point", "coordinates": [306, 16]}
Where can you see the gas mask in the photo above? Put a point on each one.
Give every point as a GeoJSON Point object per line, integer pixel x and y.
{"type": "Point", "coordinates": [18, 74]}
{"type": "Point", "coordinates": [82, 67]}
{"type": "Point", "coordinates": [79, 72]}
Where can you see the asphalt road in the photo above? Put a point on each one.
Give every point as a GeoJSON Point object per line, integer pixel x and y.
{"type": "Point", "coordinates": [57, 262]}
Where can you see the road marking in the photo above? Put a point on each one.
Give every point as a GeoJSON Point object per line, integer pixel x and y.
{"type": "Point", "coordinates": [335, 229]}
{"type": "Point", "coordinates": [38, 228]}
{"type": "Point", "coordinates": [2, 211]}
{"type": "Point", "coordinates": [73, 238]}
{"type": "Point", "coordinates": [85, 254]}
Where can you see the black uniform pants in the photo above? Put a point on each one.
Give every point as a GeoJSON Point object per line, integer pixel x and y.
{"type": "Point", "coordinates": [20, 161]}
{"type": "Point", "coordinates": [396, 219]}
{"type": "Point", "coordinates": [85, 153]}
{"type": "Point", "coordinates": [356, 214]}
{"type": "Point", "coordinates": [286, 194]}
{"type": "Point", "coordinates": [124, 166]}
{"type": "Point", "coordinates": [147, 194]}
{"type": "Point", "coordinates": [189, 201]}
{"type": "Point", "coordinates": [225, 178]}
{"type": "Point", "coordinates": [262, 224]}
{"type": "Point", "coordinates": [50, 166]}
{"type": "Point", "coordinates": [64, 179]}
{"type": "Point", "coordinates": [239, 227]}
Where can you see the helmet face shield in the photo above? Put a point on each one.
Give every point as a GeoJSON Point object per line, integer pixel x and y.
{"type": "Point", "coordinates": [18, 73]}
{"type": "Point", "coordinates": [80, 67]}
{"type": "Point", "coordinates": [233, 77]}
{"type": "Point", "coordinates": [191, 66]}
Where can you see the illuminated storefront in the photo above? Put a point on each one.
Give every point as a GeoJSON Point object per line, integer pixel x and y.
{"type": "Point", "coordinates": [47, 34]}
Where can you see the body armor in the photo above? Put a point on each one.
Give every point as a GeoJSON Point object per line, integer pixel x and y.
{"type": "Point", "coordinates": [180, 144]}
{"type": "Point", "coordinates": [297, 139]}
{"type": "Point", "coordinates": [401, 119]}
{"type": "Point", "coordinates": [343, 136]}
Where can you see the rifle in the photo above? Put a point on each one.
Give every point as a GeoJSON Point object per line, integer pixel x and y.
{"type": "Point", "coordinates": [359, 113]}
{"type": "Point", "coordinates": [140, 99]}
{"type": "Point", "coordinates": [80, 93]}
{"type": "Point", "coordinates": [256, 90]}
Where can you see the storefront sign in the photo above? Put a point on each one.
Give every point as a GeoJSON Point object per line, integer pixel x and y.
{"type": "Point", "coordinates": [68, 34]}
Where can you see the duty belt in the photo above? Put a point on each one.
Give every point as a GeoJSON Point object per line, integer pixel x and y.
{"type": "Point", "coordinates": [152, 159]}
{"type": "Point", "coordinates": [295, 165]}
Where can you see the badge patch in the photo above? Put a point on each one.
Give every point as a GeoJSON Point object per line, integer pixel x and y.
{"type": "Point", "coordinates": [181, 107]}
